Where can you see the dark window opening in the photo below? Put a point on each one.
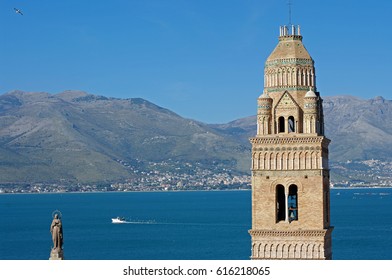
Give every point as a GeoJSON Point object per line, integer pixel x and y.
{"type": "Point", "coordinates": [291, 124]}
{"type": "Point", "coordinates": [280, 204]}
{"type": "Point", "coordinates": [293, 203]}
{"type": "Point", "coordinates": [281, 124]}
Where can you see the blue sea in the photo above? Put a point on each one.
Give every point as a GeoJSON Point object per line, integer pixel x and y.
{"type": "Point", "coordinates": [177, 225]}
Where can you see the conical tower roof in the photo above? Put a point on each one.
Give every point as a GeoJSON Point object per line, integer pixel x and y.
{"type": "Point", "coordinates": [289, 46]}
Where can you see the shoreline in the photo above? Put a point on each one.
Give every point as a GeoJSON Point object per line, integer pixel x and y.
{"type": "Point", "coordinates": [103, 192]}
{"type": "Point", "coordinates": [172, 191]}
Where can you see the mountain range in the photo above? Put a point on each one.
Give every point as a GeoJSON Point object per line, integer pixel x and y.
{"type": "Point", "coordinates": [78, 137]}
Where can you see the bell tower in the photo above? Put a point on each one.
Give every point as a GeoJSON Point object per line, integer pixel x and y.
{"type": "Point", "coordinates": [290, 173]}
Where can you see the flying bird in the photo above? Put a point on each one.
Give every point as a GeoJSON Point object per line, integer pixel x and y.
{"type": "Point", "coordinates": [18, 11]}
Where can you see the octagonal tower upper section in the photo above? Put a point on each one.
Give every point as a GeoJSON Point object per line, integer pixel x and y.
{"type": "Point", "coordinates": [289, 66]}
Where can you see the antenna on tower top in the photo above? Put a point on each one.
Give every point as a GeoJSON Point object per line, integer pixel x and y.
{"type": "Point", "coordinates": [289, 4]}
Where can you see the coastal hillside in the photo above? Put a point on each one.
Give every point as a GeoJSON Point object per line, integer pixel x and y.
{"type": "Point", "coordinates": [78, 137]}
{"type": "Point", "coordinates": [360, 129]}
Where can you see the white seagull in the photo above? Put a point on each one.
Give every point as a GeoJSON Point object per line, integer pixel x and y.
{"type": "Point", "coordinates": [18, 11]}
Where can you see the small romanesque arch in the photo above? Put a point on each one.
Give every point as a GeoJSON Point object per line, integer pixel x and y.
{"type": "Point", "coordinates": [285, 165]}
{"type": "Point", "coordinates": [320, 251]}
{"type": "Point", "coordinates": [281, 125]}
{"type": "Point", "coordinates": [313, 158]}
{"type": "Point", "coordinates": [315, 253]}
{"type": "Point", "coordinates": [263, 251]}
{"type": "Point", "coordinates": [279, 251]}
{"type": "Point", "coordinates": [290, 161]}
{"type": "Point", "coordinates": [295, 161]}
{"type": "Point", "coordinates": [304, 251]}
{"type": "Point", "coordinates": [308, 161]}
{"type": "Point", "coordinates": [259, 160]}
{"type": "Point", "coordinates": [273, 251]}
{"type": "Point", "coordinates": [254, 251]}
{"type": "Point", "coordinates": [299, 160]}
{"type": "Point", "coordinates": [297, 253]}
{"type": "Point", "coordinates": [308, 253]}
{"type": "Point", "coordinates": [271, 162]}
{"type": "Point", "coordinates": [292, 202]}
{"type": "Point", "coordinates": [278, 160]}
{"type": "Point", "coordinates": [291, 251]}
{"type": "Point", "coordinates": [268, 251]}
{"type": "Point", "coordinates": [280, 203]}
{"type": "Point", "coordinates": [254, 161]}
{"type": "Point", "coordinates": [302, 160]}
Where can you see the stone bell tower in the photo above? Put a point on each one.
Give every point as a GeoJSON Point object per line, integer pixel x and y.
{"type": "Point", "coordinates": [290, 173]}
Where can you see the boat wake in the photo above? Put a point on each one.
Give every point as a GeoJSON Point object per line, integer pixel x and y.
{"type": "Point", "coordinates": [127, 221]}
{"type": "Point", "coordinates": [153, 222]}
{"type": "Point", "coordinates": [140, 222]}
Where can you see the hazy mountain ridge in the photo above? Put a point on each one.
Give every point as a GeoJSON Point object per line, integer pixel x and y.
{"type": "Point", "coordinates": [79, 137]}
{"type": "Point", "coordinates": [360, 129]}
{"type": "Point", "coordinates": [75, 136]}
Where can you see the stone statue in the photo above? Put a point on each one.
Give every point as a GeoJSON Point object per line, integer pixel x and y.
{"type": "Point", "coordinates": [56, 229]}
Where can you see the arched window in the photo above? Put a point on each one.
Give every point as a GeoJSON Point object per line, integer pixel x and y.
{"type": "Point", "coordinates": [280, 204]}
{"type": "Point", "coordinates": [292, 202]}
{"type": "Point", "coordinates": [281, 124]}
{"type": "Point", "coordinates": [291, 124]}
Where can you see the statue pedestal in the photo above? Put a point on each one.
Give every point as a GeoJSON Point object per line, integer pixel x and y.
{"type": "Point", "coordinates": [56, 255]}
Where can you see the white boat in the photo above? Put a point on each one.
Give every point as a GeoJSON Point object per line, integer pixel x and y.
{"type": "Point", "coordinates": [118, 220]}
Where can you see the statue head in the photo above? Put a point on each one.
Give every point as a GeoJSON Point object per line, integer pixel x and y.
{"type": "Point", "coordinates": [56, 214]}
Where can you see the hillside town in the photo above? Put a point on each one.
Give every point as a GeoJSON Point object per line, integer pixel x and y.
{"type": "Point", "coordinates": [175, 176]}
{"type": "Point", "coordinates": [363, 174]}
{"type": "Point", "coordinates": [161, 176]}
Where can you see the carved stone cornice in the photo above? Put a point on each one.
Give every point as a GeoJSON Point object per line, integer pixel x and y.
{"type": "Point", "coordinates": [289, 140]}
{"type": "Point", "coordinates": [291, 233]}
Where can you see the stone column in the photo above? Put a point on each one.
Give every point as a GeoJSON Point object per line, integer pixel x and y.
{"type": "Point", "coordinates": [287, 207]}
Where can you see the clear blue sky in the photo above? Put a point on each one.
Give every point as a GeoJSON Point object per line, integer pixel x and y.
{"type": "Point", "coordinates": [203, 59]}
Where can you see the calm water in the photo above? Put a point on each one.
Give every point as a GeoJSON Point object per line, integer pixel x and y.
{"type": "Point", "coordinates": [177, 225]}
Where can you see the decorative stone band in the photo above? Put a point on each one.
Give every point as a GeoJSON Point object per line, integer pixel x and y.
{"type": "Point", "coordinates": [293, 233]}
{"type": "Point", "coordinates": [311, 106]}
{"type": "Point", "coordinates": [289, 140]}
{"type": "Point", "coordinates": [289, 61]}
{"type": "Point", "coordinates": [264, 106]}
{"type": "Point", "coordinates": [284, 88]}
{"type": "Point", "coordinates": [290, 37]}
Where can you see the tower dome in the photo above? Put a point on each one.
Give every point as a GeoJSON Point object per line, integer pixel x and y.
{"type": "Point", "coordinates": [310, 94]}
{"type": "Point", "coordinates": [264, 95]}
